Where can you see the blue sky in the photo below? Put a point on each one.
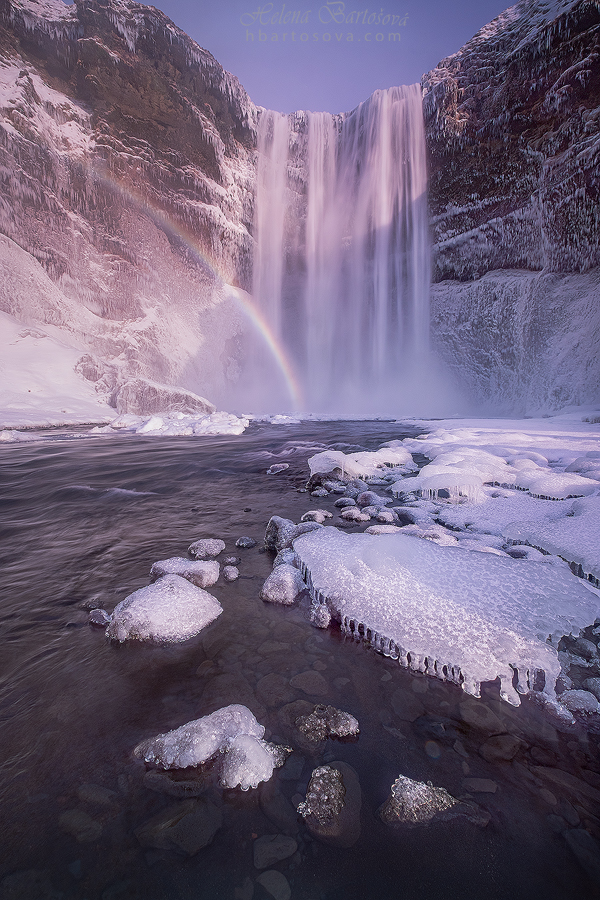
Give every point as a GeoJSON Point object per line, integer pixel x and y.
{"type": "Point", "coordinates": [334, 54]}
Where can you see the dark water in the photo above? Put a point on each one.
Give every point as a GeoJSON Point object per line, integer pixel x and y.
{"type": "Point", "coordinates": [81, 523]}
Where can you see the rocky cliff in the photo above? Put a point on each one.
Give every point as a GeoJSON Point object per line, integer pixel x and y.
{"type": "Point", "coordinates": [513, 133]}
{"type": "Point", "coordinates": [127, 159]}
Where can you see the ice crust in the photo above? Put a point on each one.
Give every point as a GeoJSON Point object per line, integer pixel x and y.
{"type": "Point", "coordinates": [232, 731]}
{"type": "Point", "coordinates": [365, 464]}
{"type": "Point", "coordinates": [461, 617]}
{"type": "Point", "coordinates": [171, 609]}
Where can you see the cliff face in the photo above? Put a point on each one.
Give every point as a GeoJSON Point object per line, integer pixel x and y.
{"type": "Point", "coordinates": [513, 133]}
{"type": "Point", "coordinates": [127, 166]}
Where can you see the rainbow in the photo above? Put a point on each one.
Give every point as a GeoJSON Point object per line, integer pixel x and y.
{"type": "Point", "coordinates": [243, 300]}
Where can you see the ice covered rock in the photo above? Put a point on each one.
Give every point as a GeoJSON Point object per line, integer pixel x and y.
{"type": "Point", "coordinates": [170, 609]}
{"type": "Point", "coordinates": [231, 573]}
{"type": "Point", "coordinates": [245, 542]}
{"type": "Point", "coordinates": [327, 721]}
{"type": "Point", "coordinates": [283, 585]}
{"type": "Point", "coordinates": [343, 502]}
{"type": "Point", "coordinates": [202, 573]}
{"type": "Point", "coordinates": [287, 555]}
{"type": "Point", "coordinates": [593, 686]}
{"type": "Point", "coordinates": [370, 498]}
{"type": "Point", "coordinates": [248, 761]}
{"type": "Point", "coordinates": [277, 467]}
{"type": "Point", "coordinates": [412, 803]}
{"type": "Point", "coordinates": [354, 514]}
{"type": "Point", "coordinates": [206, 548]}
{"type": "Point", "coordinates": [99, 617]}
{"type": "Point", "coordinates": [366, 464]}
{"type": "Point", "coordinates": [581, 703]}
{"type": "Point", "coordinates": [197, 741]}
{"type": "Point", "coordinates": [382, 529]}
{"type": "Point", "coordinates": [332, 806]}
{"type": "Point", "coordinates": [463, 617]}
{"type": "Point", "coordinates": [316, 515]}
{"type": "Point", "coordinates": [280, 533]}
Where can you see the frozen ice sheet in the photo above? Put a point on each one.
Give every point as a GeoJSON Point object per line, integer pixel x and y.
{"type": "Point", "coordinates": [465, 617]}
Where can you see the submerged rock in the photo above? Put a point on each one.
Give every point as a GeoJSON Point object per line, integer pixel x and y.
{"type": "Point", "coordinates": [171, 609]}
{"type": "Point", "coordinates": [332, 806]}
{"type": "Point", "coordinates": [273, 848]}
{"type": "Point", "coordinates": [188, 826]}
{"type": "Point", "coordinates": [245, 542]}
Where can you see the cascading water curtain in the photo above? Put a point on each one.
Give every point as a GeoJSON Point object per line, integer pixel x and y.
{"type": "Point", "coordinates": [360, 316]}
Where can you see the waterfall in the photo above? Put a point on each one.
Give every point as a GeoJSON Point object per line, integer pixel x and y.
{"type": "Point", "coordinates": [341, 268]}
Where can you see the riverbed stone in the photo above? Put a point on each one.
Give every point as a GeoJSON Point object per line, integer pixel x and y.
{"type": "Point", "coordinates": [98, 795]}
{"type": "Point", "coordinates": [310, 682]}
{"type": "Point", "coordinates": [188, 826]}
{"type": "Point", "coordinates": [500, 748]}
{"type": "Point", "coordinates": [480, 785]}
{"type": "Point", "coordinates": [480, 716]}
{"type": "Point", "coordinates": [327, 721]}
{"type": "Point", "coordinates": [230, 687]}
{"type": "Point", "coordinates": [275, 884]}
{"type": "Point", "coordinates": [277, 808]}
{"type": "Point", "coordinates": [80, 825]}
{"type": "Point", "coordinates": [272, 848]}
{"type": "Point", "coordinates": [274, 690]}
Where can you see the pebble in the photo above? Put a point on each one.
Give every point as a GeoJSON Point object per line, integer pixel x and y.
{"type": "Point", "coordinates": [273, 848]}
{"type": "Point", "coordinates": [433, 750]}
{"type": "Point", "coordinates": [275, 884]}
{"type": "Point", "coordinates": [274, 690]}
{"type": "Point", "coordinates": [98, 795]}
{"type": "Point", "coordinates": [310, 682]}
{"type": "Point", "coordinates": [548, 796]}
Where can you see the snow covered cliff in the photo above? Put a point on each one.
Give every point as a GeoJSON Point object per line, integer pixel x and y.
{"type": "Point", "coordinates": [127, 170]}
{"type": "Point", "coordinates": [513, 131]}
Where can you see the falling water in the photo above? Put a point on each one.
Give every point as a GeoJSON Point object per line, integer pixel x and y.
{"type": "Point", "coordinates": [342, 255]}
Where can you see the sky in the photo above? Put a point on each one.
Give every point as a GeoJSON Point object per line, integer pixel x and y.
{"type": "Point", "coordinates": [334, 54]}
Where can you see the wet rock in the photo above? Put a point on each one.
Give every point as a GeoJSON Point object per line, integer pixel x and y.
{"type": "Point", "coordinates": [406, 705]}
{"type": "Point", "coordinates": [277, 808]}
{"type": "Point", "coordinates": [316, 515]}
{"type": "Point", "coordinates": [231, 561]}
{"type": "Point", "coordinates": [188, 826]}
{"type": "Point", "coordinates": [80, 825]}
{"type": "Point", "coordinates": [480, 785]}
{"type": "Point", "coordinates": [584, 793]}
{"type": "Point", "coordinates": [586, 850]}
{"type": "Point", "coordinates": [582, 704]}
{"type": "Point", "coordinates": [500, 747]}
{"type": "Point", "coordinates": [593, 686]}
{"type": "Point", "coordinates": [98, 795]}
{"type": "Point", "coordinates": [284, 585]}
{"type": "Point", "coordinates": [287, 555]}
{"type": "Point", "coordinates": [332, 806]}
{"type": "Point", "coordinates": [203, 573]}
{"type": "Point", "coordinates": [272, 848]}
{"type": "Point", "coordinates": [245, 542]}
{"type": "Point", "coordinates": [206, 548]}
{"type": "Point", "coordinates": [231, 573]}
{"type": "Point", "coordinates": [231, 687]}
{"type": "Point", "coordinates": [320, 615]}
{"type": "Point", "coordinates": [274, 690]}
{"type": "Point", "coordinates": [99, 617]}
{"type": "Point", "coordinates": [327, 721]}
{"type": "Point", "coordinates": [248, 761]}
{"type": "Point", "coordinates": [563, 683]}
{"type": "Point", "coordinates": [585, 649]}
{"type": "Point", "coordinates": [353, 514]}
{"type": "Point", "coordinates": [165, 783]}
{"type": "Point", "coordinates": [281, 532]}
{"type": "Point", "coordinates": [275, 884]}
{"type": "Point", "coordinates": [480, 716]}
{"type": "Point", "coordinates": [319, 492]}
{"type": "Point", "coordinates": [334, 487]}
{"type": "Point", "coordinates": [27, 885]}
{"type": "Point", "coordinates": [291, 711]}
{"type": "Point", "coordinates": [310, 682]}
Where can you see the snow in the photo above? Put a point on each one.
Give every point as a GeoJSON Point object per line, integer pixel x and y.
{"type": "Point", "coordinates": [202, 573]}
{"type": "Point", "coordinates": [171, 609]}
{"type": "Point", "coordinates": [365, 464]}
{"type": "Point", "coordinates": [465, 617]}
{"type": "Point", "coordinates": [176, 424]}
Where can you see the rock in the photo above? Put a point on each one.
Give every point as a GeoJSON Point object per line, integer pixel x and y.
{"type": "Point", "coordinates": [319, 492]}
{"type": "Point", "coordinates": [310, 682]}
{"type": "Point", "coordinates": [316, 515]}
{"type": "Point", "coordinates": [287, 555]}
{"type": "Point", "coordinates": [593, 686]}
{"type": "Point", "coordinates": [283, 585]}
{"type": "Point", "coordinates": [386, 516]}
{"type": "Point", "coordinates": [141, 397]}
{"type": "Point", "coordinates": [170, 609]}
{"type": "Point", "coordinates": [206, 548]}
{"type": "Point", "coordinates": [370, 498]}
{"type": "Point", "coordinates": [587, 851]}
{"type": "Point", "coordinates": [327, 721]}
{"type": "Point", "coordinates": [231, 561]}
{"type": "Point", "coordinates": [231, 573]}
{"type": "Point", "coordinates": [332, 806]}
{"type": "Point", "coordinates": [353, 514]}
{"type": "Point", "coordinates": [291, 711]}
{"type": "Point", "coordinates": [231, 687]}
{"type": "Point", "coordinates": [406, 705]}
{"type": "Point", "coordinates": [480, 716]}
{"type": "Point", "coordinates": [248, 761]}
{"type": "Point", "coordinates": [188, 826]}
{"type": "Point", "coordinates": [29, 884]}
{"type": "Point", "coordinates": [582, 704]}
{"type": "Point", "coordinates": [320, 615]}
{"type": "Point", "coordinates": [344, 502]}
{"type": "Point", "coordinates": [586, 794]}
{"type": "Point", "coordinates": [275, 884]}
{"type": "Point", "coordinates": [480, 785]}
{"type": "Point", "coordinates": [276, 806]}
{"type": "Point", "coordinates": [99, 617]}
{"type": "Point", "coordinates": [164, 783]}
{"type": "Point", "coordinates": [203, 573]}
{"type": "Point", "coordinates": [272, 848]}
{"type": "Point", "coordinates": [584, 648]}
{"type": "Point", "coordinates": [414, 802]}
{"type": "Point", "coordinates": [98, 795]}
{"type": "Point", "coordinates": [246, 543]}
{"type": "Point", "coordinates": [80, 825]}
{"type": "Point", "coordinates": [501, 747]}
{"type": "Point", "coordinates": [382, 529]}
{"type": "Point", "coordinates": [274, 690]}
{"type": "Point", "coordinates": [563, 683]}
{"type": "Point", "coordinates": [281, 532]}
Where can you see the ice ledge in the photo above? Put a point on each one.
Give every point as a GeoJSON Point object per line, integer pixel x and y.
{"type": "Point", "coordinates": [461, 617]}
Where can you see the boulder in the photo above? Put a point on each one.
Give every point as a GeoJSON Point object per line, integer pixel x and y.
{"type": "Point", "coordinates": [141, 397]}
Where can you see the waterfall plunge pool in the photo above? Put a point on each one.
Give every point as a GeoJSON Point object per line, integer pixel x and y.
{"type": "Point", "coordinates": [82, 523]}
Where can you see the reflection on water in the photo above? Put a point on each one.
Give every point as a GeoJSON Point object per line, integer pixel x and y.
{"type": "Point", "coordinates": [81, 523]}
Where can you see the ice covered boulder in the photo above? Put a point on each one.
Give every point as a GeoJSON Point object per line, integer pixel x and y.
{"type": "Point", "coordinates": [283, 585]}
{"type": "Point", "coordinates": [202, 573]}
{"type": "Point", "coordinates": [206, 548]}
{"type": "Point", "coordinates": [464, 617]}
{"type": "Point", "coordinates": [281, 532]}
{"type": "Point", "coordinates": [170, 609]}
{"type": "Point", "coordinates": [199, 740]}
{"type": "Point", "coordinates": [332, 806]}
{"type": "Point", "coordinates": [416, 803]}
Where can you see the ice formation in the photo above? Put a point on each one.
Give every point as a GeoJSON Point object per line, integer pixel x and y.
{"type": "Point", "coordinates": [461, 617]}
{"type": "Point", "coordinates": [171, 609]}
{"type": "Point", "coordinates": [175, 424]}
{"type": "Point", "coordinates": [202, 573]}
{"type": "Point", "coordinates": [232, 731]}
{"type": "Point", "coordinates": [365, 464]}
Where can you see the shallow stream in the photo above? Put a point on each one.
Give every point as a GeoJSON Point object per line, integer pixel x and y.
{"type": "Point", "coordinates": [82, 521]}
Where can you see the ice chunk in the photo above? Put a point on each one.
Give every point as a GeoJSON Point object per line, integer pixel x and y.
{"type": "Point", "coordinates": [206, 548]}
{"type": "Point", "coordinates": [465, 617]}
{"type": "Point", "coordinates": [283, 585]}
{"type": "Point", "coordinates": [195, 742]}
{"type": "Point", "coordinates": [247, 762]}
{"type": "Point", "coordinates": [171, 609]}
{"type": "Point", "coordinates": [202, 573]}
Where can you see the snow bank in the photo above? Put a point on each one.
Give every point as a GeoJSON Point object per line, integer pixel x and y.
{"type": "Point", "coordinates": [464, 617]}
{"type": "Point", "coordinates": [171, 609]}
